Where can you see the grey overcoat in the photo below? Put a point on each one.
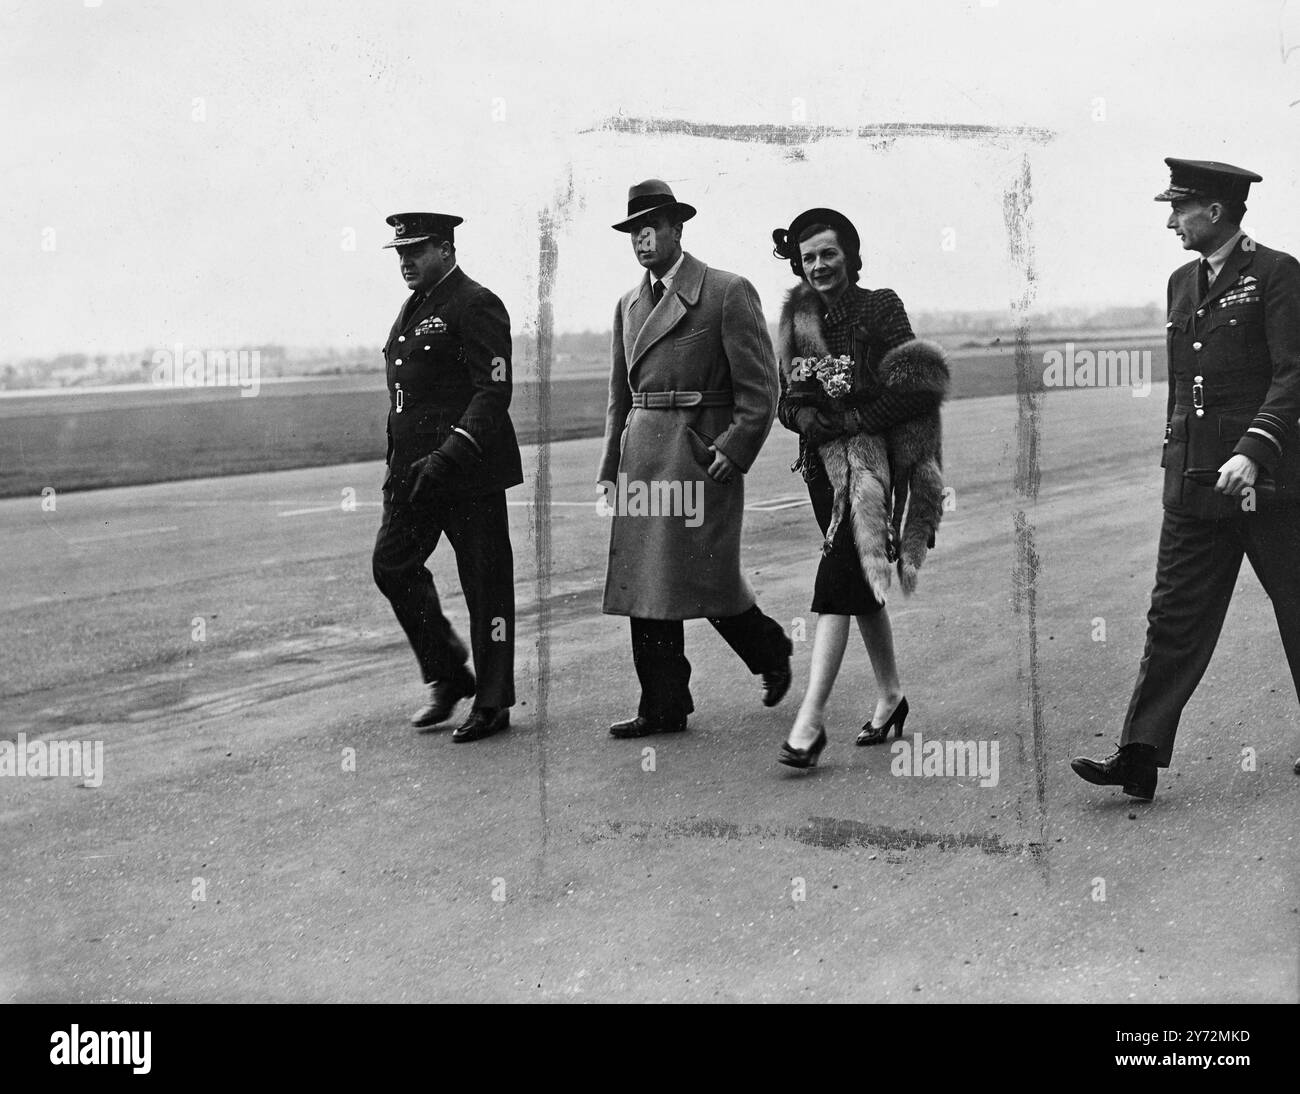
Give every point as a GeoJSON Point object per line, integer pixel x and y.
{"type": "Point", "coordinates": [707, 334]}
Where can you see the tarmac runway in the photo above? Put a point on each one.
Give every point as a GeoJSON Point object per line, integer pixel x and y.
{"type": "Point", "coordinates": [269, 827]}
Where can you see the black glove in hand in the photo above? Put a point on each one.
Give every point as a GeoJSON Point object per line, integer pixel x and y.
{"type": "Point", "coordinates": [457, 456]}
{"type": "Point", "coordinates": [817, 426]}
{"type": "Point", "coordinates": [850, 421]}
{"type": "Point", "coordinates": [431, 472]}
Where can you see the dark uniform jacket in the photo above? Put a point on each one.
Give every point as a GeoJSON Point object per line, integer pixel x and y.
{"type": "Point", "coordinates": [448, 364]}
{"type": "Point", "coordinates": [1243, 341]}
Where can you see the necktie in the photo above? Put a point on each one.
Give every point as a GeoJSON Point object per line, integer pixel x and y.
{"type": "Point", "coordinates": [657, 291]}
{"type": "Point", "coordinates": [1203, 279]}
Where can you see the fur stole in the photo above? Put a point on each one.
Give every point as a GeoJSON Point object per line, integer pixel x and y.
{"type": "Point", "coordinates": [890, 483]}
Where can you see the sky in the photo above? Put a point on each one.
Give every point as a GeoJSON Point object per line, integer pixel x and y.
{"type": "Point", "coordinates": [218, 174]}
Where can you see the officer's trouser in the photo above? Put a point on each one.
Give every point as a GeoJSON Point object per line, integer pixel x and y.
{"type": "Point", "coordinates": [1196, 571]}
{"type": "Point", "coordinates": [479, 532]}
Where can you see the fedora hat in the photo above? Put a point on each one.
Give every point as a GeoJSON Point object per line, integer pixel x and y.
{"type": "Point", "coordinates": [650, 197]}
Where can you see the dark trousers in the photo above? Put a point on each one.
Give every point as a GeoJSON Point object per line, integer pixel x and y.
{"type": "Point", "coordinates": [479, 532]}
{"type": "Point", "coordinates": [1196, 571]}
{"type": "Point", "coordinates": [658, 651]}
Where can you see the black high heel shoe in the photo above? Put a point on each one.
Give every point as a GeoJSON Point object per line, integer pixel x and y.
{"type": "Point", "coordinates": [878, 735]}
{"type": "Point", "coordinates": [803, 757]}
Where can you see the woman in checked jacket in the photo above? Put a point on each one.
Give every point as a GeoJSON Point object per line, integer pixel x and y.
{"type": "Point", "coordinates": [870, 456]}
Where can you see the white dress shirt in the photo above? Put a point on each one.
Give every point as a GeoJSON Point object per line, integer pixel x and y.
{"type": "Point", "coordinates": [1220, 256]}
{"type": "Point", "coordinates": [667, 279]}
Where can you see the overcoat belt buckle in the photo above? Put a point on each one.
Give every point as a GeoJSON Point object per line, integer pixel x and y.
{"type": "Point", "coordinates": [666, 400]}
{"type": "Point", "coordinates": [399, 398]}
{"type": "Point", "coordinates": [1198, 396]}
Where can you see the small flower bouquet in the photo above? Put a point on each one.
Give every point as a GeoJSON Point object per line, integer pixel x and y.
{"type": "Point", "coordinates": [833, 374]}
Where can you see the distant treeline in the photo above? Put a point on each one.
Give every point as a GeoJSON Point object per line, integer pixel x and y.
{"type": "Point", "coordinates": [969, 327]}
{"type": "Point", "coordinates": [993, 323]}
{"type": "Point", "coordinates": [573, 349]}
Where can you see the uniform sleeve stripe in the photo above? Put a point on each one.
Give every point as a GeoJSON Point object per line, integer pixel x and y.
{"type": "Point", "coordinates": [1267, 436]}
{"type": "Point", "coordinates": [467, 435]}
{"type": "Point", "coordinates": [1269, 425]}
{"type": "Point", "coordinates": [1265, 416]}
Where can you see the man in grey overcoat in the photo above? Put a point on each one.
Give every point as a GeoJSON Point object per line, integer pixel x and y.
{"type": "Point", "coordinates": [692, 394]}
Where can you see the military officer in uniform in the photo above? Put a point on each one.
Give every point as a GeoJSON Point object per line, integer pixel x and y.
{"type": "Point", "coordinates": [452, 455]}
{"type": "Point", "coordinates": [1231, 459]}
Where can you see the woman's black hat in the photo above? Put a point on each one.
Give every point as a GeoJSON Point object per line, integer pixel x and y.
{"type": "Point", "coordinates": [787, 239]}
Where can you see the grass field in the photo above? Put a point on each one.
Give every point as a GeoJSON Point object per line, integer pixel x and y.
{"type": "Point", "coordinates": [78, 440]}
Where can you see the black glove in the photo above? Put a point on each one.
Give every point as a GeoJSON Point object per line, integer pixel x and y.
{"type": "Point", "coordinates": [850, 421]}
{"type": "Point", "coordinates": [435, 471]}
{"type": "Point", "coordinates": [430, 473]}
{"type": "Point", "coordinates": [817, 426]}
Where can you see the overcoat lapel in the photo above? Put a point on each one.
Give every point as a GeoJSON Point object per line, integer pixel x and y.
{"type": "Point", "coordinates": [671, 309]}
{"type": "Point", "coordinates": [635, 319]}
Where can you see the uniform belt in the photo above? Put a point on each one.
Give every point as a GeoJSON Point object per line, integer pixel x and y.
{"type": "Point", "coordinates": [1218, 396]}
{"type": "Point", "coordinates": [668, 400]}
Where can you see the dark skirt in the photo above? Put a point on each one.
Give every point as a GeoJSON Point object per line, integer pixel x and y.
{"type": "Point", "coordinates": [840, 588]}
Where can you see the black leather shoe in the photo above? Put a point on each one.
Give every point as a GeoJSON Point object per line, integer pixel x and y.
{"type": "Point", "coordinates": [1133, 768]}
{"type": "Point", "coordinates": [643, 727]}
{"type": "Point", "coordinates": [878, 735]}
{"type": "Point", "coordinates": [776, 684]}
{"type": "Point", "coordinates": [443, 697]}
{"type": "Point", "coordinates": [482, 722]}
{"type": "Point", "coordinates": [803, 757]}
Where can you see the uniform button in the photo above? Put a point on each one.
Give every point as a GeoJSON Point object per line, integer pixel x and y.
{"type": "Point", "coordinates": [1232, 322]}
{"type": "Point", "coordinates": [399, 360]}
{"type": "Point", "coordinates": [401, 338]}
{"type": "Point", "coordinates": [1200, 311]}
{"type": "Point", "coordinates": [426, 347]}
{"type": "Point", "coordinates": [1195, 345]}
